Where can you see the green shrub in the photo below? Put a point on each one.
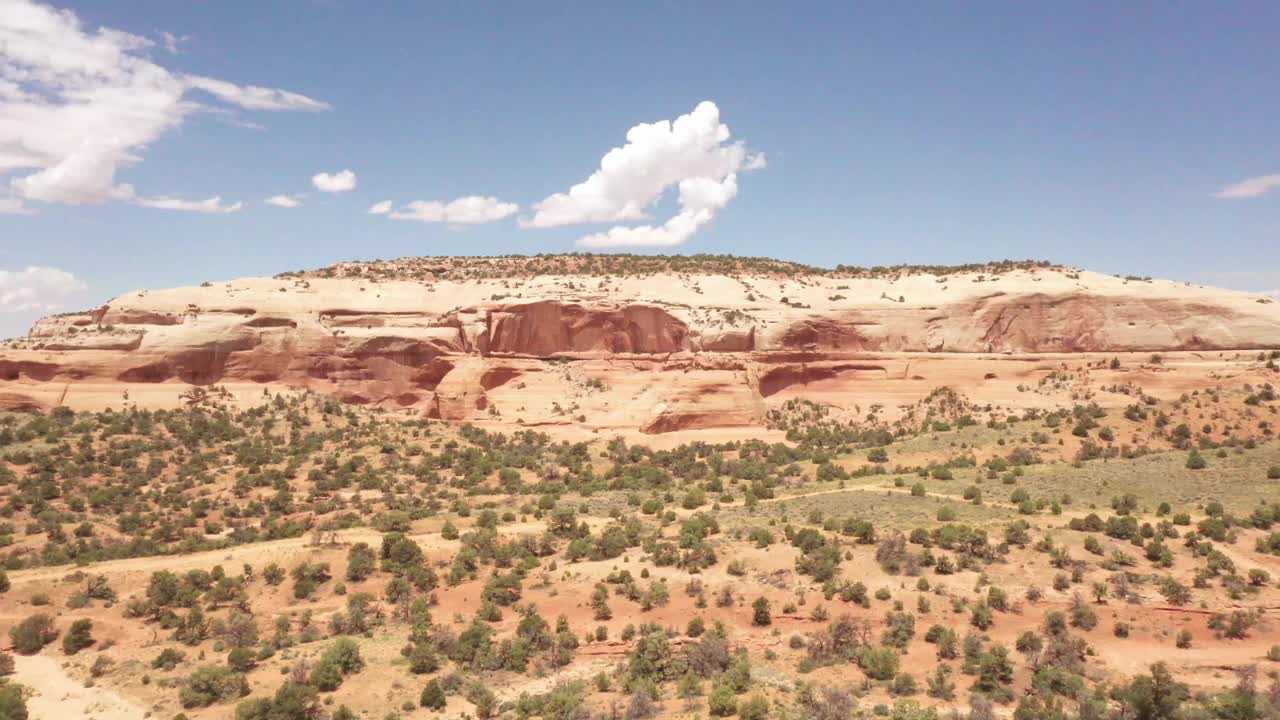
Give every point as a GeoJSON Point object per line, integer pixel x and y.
{"type": "Point", "coordinates": [361, 562]}
{"type": "Point", "coordinates": [722, 702]}
{"type": "Point", "coordinates": [168, 659]}
{"type": "Point", "coordinates": [242, 659]}
{"type": "Point", "coordinates": [342, 658]}
{"type": "Point", "coordinates": [211, 684]}
{"type": "Point", "coordinates": [13, 706]}
{"type": "Point", "coordinates": [1196, 461]}
{"type": "Point", "coordinates": [32, 634]}
{"type": "Point", "coordinates": [879, 663]}
{"type": "Point", "coordinates": [291, 701]}
{"type": "Point", "coordinates": [432, 696]}
{"type": "Point", "coordinates": [760, 615]}
{"type": "Point", "coordinates": [79, 637]}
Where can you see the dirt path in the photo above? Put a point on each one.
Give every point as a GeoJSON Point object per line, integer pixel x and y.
{"type": "Point", "coordinates": [57, 696]}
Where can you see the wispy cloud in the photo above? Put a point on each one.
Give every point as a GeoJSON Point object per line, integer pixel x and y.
{"type": "Point", "coordinates": [40, 289]}
{"type": "Point", "coordinates": [15, 206]}
{"type": "Point", "coordinates": [58, 78]}
{"type": "Point", "coordinates": [173, 43]}
{"type": "Point", "coordinates": [252, 97]}
{"type": "Point", "coordinates": [1251, 188]}
{"type": "Point", "coordinates": [470, 210]}
{"type": "Point", "coordinates": [210, 206]}
{"type": "Point", "coordinates": [284, 201]}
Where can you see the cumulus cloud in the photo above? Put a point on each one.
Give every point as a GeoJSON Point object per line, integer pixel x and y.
{"type": "Point", "coordinates": [700, 199]}
{"type": "Point", "coordinates": [42, 289]}
{"type": "Point", "coordinates": [78, 105]}
{"type": "Point", "coordinates": [380, 208]}
{"type": "Point", "coordinates": [1251, 188]}
{"type": "Point", "coordinates": [343, 181]}
{"type": "Point", "coordinates": [211, 206]}
{"type": "Point", "coordinates": [470, 210]}
{"type": "Point", "coordinates": [284, 201]}
{"type": "Point", "coordinates": [692, 154]}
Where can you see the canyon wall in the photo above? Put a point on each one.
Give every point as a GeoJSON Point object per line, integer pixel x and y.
{"type": "Point", "coordinates": [658, 352]}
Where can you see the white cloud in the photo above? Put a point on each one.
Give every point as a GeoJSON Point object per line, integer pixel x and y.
{"type": "Point", "coordinates": [1250, 188]}
{"type": "Point", "coordinates": [252, 97]}
{"type": "Point", "coordinates": [14, 206]}
{"type": "Point", "coordinates": [1273, 293]}
{"type": "Point", "coordinates": [343, 181]}
{"type": "Point", "coordinates": [284, 201]}
{"type": "Point", "coordinates": [470, 210]}
{"type": "Point", "coordinates": [700, 199]}
{"type": "Point", "coordinates": [380, 208]}
{"type": "Point", "coordinates": [79, 105]}
{"type": "Point", "coordinates": [37, 289]}
{"type": "Point", "coordinates": [213, 205]}
{"type": "Point", "coordinates": [173, 43]}
{"type": "Point", "coordinates": [693, 154]}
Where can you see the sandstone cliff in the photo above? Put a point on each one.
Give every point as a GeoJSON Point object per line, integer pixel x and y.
{"type": "Point", "coordinates": [660, 350]}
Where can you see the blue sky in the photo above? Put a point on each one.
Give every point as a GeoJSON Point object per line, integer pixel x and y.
{"type": "Point", "coordinates": [1091, 134]}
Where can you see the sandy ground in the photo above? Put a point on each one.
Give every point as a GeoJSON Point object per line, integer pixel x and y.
{"type": "Point", "coordinates": [57, 696]}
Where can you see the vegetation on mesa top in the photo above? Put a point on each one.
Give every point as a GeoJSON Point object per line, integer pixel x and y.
{"type": "Point", "coordinates": [503, 266]}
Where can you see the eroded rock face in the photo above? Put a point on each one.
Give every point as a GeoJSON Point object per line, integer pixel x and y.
{"type": "Point", "coordinates": [659, 352]}
{"type": "Point", "coordinates": [548, 327]}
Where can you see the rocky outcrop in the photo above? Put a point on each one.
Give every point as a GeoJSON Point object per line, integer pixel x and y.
{"type": "Point", "coordinates": [549, 327]}
{"type": "Point", "coordinates": [657, 352]}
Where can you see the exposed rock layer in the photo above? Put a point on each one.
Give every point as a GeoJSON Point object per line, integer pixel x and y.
{"type": "Point", "coordinates": [659, 352]}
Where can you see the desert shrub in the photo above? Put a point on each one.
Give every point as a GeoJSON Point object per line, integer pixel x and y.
{"type": "Point", "coordinates": [79, 637]}
{"type": "Point", "coordinates": [760, 614]}
{"type": "Point", "coordinates": [211, 684]}
{"type": "Point", "coordinates": [340, 659]}
{"type": "Point", "coordinates": [13, 705]}
{"type": "Point", "coordinates": [502, 589]}
{"type": "Point", "coordinates": [432, 697]}
{"type": "Point", "coordinates": [242, 659]}
{"type": "Point", "coordinates": [32, 634]}
{"type": "Point", "coordinates": [879, 663]}
{"type": "Point", "coordinates": [904, 684]}
{"type": "Point", "coordinates": [273, 574]}
{"type": "Point", "coordinates": [1152, 696]}
{"type": "Point", "coordinates": [722, 702]}
{"type": "Point", "coordinates": [1196, 461]}
{"type": "Point", "coordinates": [292, 701]}
{"type": "Point", "coordinates": [307, 577]}
{"type": "Point", "coordinates": [168, 659]}
{"type": "Point", "coordinates": [1234, 625]}
{"type": "Point", "coordinates": [360, 562]}
{"type": "Point", "coordinates": [484, 700]}
{"type": "Point", "coordinates": [1083, 617]}
{"type": "Point", "coordinates": [755, 707]}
